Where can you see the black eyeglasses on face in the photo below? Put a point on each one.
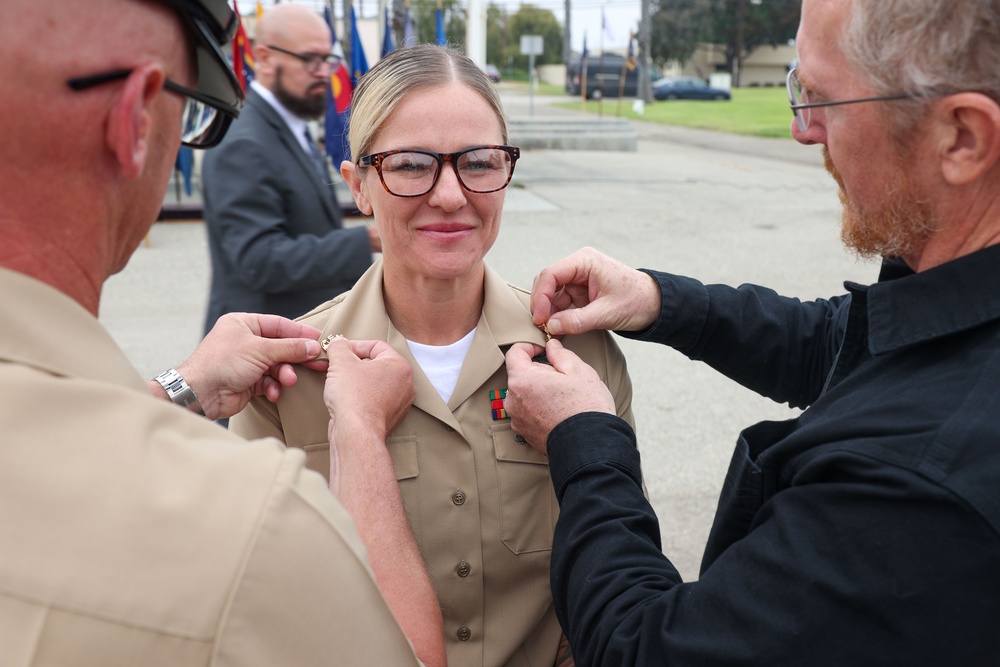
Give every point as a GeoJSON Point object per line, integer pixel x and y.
{"type": "Point", "coordinates": [313, 61]}
{"type": "Point", "coordinates": [414, 172]}
{"type": "Point", "coordinates": [202, 124]}
{"type": "Point", "coordinates": [798, 99]}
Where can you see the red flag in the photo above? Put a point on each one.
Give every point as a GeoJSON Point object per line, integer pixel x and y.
{"type": "Point", "coordinates": [340, 86]}
{"type": "Point", "coordinates": [243, 63]}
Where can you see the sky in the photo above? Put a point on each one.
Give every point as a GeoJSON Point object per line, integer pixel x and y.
{"type": "Point", "coordinates": [622, 16]}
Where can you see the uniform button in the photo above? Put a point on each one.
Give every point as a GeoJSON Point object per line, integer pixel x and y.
{"type": "Point", "coordinates": [463, 569]}
{"type": "Point", "coordinates": [464, 634]}
{"type": "Point", "coordinates": [519, 438]}
{"type": "Point", "coordinates": [458, 497]}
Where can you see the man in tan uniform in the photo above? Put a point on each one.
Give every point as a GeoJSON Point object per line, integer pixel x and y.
{"type": "Point", "coordinates": [131, 530]}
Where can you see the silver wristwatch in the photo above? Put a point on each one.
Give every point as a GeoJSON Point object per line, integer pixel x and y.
{"type": "Point", "coordinates": [179, 391]}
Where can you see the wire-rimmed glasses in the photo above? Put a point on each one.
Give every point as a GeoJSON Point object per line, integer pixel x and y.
{"type": "Point", "coordinates": [311, 61]}
{"type": "Point", "coordinates": [412, 172]}
{"type": "Point", "coordinates": [798, 99]}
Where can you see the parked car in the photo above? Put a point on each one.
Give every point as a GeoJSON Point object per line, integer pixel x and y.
{"type": "Point", "coordinates": [493, 73]}
{"type": "Point", "coordinates": [687, 88]}
{"type": "Point", "coordinates": [604, 76]}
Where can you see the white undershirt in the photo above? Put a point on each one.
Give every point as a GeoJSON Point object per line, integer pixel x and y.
{"type": "Point", "coordinates": [442, 363]}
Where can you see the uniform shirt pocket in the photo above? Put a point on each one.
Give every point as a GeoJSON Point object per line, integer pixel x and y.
{"type": "Point", "coordinates": [528, 506]}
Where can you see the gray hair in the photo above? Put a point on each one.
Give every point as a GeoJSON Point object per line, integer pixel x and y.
{"type": "Point", "coordinates": [925, 45]}
{"type": "Point", "coordinates": [404, 71]}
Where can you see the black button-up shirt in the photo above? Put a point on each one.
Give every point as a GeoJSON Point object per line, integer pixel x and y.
{"type": "Point", "coordinates": [864, 532]}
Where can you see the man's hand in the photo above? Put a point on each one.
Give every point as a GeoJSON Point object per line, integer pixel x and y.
{"type": "Point", "coordinates": [541, 396]}
{"type": "Point", "coordinates": [589, 290]}
{"type": "Point", "coordinates": [245, 355]}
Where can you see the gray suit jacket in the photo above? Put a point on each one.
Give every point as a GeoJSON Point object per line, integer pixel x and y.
{"type": "Point", "coordinates": [275, 230]}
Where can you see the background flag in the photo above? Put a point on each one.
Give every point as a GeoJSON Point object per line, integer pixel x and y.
{"type": "Point", "coordinates": [359, 64]}
{"type": "Point", "coordinates": [184, 164]}
{"type": "Point", "coordinates": [337, 104]}
{"type": "Point", "coordinates": [388, 45]}
{"type": "Point", "coordinates": [440, 39]}
{"type": "Point", "coordinates": [243, 63]}
{"type": "Point", "coordinates": [630, 60]}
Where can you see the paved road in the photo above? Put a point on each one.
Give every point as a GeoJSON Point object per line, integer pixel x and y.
{"type": "Point", "coordinates": [720, 208]}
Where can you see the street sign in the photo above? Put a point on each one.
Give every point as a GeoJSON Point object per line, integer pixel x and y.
{"type": "Point", "coordinates": [532, 45]}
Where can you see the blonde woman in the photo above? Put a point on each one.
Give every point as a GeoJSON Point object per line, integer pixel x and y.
{"type": "Point", "coordinates": [429, 137]}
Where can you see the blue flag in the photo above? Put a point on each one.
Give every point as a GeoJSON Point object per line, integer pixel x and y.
{"type": "Point", "coordinates": [441, 40]}
{"type": "Point", "coordinates": [388, 45]}
{"type": "Point", "coordinates": [184, 164]}
{"type": "Point", "coordinates": [359, 64]}
{"type": "Point", "coordinates": [337, 104]}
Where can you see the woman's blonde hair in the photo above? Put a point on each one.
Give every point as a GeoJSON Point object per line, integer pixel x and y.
{"type": "Point", "coordinates": [400, 73]}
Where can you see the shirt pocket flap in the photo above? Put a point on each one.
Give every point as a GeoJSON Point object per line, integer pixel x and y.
{"type": "Point", "coordinates": [403, 450]}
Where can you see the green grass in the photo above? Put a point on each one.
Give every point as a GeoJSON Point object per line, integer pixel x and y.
{"type": "Point", "coordinates": [761, 112]}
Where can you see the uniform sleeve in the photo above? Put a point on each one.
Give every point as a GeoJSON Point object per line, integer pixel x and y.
{"type": "Point", "coordinates": [619, 381]}
{"type": "Point", "coordinates": [305, 594]}
{"type": "Point", "coordinates": [259, 419]}
{"type": "Point", "coordinates": [856, 562]}
{"type": "Point", "coordinates": [248, 204]}
{"type": "Point", "coordinates": [777, 346]}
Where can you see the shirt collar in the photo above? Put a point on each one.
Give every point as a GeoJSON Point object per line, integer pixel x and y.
{"type": "Point", "coordinates": [505, 310]}
{"type": "Point", "coordinates": [907, 308]}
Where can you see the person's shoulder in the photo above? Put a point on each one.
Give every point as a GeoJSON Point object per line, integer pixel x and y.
{"type": "Point", "coordinates": [318, 316]}
{"type": "Point", "coordinates": [588, 346]}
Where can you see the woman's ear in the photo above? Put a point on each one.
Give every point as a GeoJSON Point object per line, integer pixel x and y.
{"type": "Point", "coordinates": [352, 177]}
{"type": "Point", "coordinates": [969, 127]}
{"type": "Point", "coordinates": [129, 120]}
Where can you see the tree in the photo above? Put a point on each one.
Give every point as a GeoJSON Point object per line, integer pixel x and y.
{"type": "Point", "coordinates": [532, 20]}
{"type": "Point", "coordinates": [497, 46]}
{"type": "Point", "coordinates": [678, 26]}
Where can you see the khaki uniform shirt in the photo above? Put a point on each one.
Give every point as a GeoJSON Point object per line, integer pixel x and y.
{"type": "Point", "coordinates": [480, 504]}
{"type": "Point", "coordinates": [133, 532]}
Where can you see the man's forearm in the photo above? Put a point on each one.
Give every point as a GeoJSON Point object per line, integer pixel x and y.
{"type": "Point", "coordinates": [605, 522]}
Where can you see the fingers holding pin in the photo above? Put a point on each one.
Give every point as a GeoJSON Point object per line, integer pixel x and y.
{"type": "Point", "coordinates": [325, 344]}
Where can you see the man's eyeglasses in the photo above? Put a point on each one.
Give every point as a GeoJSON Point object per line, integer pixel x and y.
{"type": "Point", "coordinates": [313, 61]}
{"type": "Point", "coordinates": [202, 124]}
{"type": "Point", "coordinates": [798, 99]}
{"type": "Point", "coordinates": [412, 172]}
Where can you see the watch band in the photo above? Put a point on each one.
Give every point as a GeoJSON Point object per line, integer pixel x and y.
{"type": "Point", "coordinates": [179, 392]}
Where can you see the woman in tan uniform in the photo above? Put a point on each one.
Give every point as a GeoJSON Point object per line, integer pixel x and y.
{"type": "Point", "coordinates": [429, 135]}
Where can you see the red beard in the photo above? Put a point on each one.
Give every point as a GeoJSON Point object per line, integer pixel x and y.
{"type": "Point", "coordinates": [898, 226]}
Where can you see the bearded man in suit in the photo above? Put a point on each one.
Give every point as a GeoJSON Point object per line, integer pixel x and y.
{"type": "Point", "coordinates": [275, 229]}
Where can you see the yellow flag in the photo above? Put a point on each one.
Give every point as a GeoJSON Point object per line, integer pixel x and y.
{"type": "Point", "coordinates": [260, 10]}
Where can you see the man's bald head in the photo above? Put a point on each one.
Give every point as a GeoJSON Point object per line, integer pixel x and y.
{"type": "Point", "coordinates": [82, 173]}
{"type": "Point", "coordinates": [285, 24]}
{"type": "Point", "coordinates": [290, 41]}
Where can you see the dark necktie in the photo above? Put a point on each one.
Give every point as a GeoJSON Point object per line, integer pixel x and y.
{"type": "Point", "coordinates": [315, 155]}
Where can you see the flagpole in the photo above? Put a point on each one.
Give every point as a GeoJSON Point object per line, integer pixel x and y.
{"type": "Point", "coordinates": [346, 44]}
{"type": "Point", "coordinates": [621, 77]}
{"type": "Point", "coordinates": [600, 68]}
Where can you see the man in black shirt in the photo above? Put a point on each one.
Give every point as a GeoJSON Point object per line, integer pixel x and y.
{"type": "Point", "coordinates": [867, 530]}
